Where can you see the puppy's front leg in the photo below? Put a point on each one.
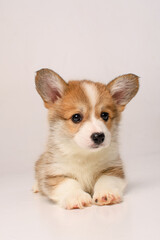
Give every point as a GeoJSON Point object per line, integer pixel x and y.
{"type": "Point", "coordinates": [109, 187]}
{"type": "Point", "coordinates": [68, 194]}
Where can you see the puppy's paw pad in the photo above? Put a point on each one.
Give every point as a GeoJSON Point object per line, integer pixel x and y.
{"type": "Point", "coordinates": [106, 198]}
{"type": "Point", "coordinates": [74, 207]}
{"type": "Point", "coordinates": [77, 200]}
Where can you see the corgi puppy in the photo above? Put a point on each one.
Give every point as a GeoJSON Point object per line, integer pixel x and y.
{"type": "Point", "coordinates": [81, 165]}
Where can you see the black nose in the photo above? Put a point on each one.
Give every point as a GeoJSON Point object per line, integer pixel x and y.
{"type": "Point", "coordinates": [98, 138]}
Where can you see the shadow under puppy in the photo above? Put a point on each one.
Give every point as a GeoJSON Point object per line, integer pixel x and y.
{"type": "Point", "coordinates": [81, 165]}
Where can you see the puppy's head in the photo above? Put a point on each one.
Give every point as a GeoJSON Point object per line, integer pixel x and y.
{"type": "Point", "coordinates": [83, 113]}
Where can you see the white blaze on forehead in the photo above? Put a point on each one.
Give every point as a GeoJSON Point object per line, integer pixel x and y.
{"type": "Point", "coordinates": [91, 92]}
{"type": "Point", "coordinates": [93, 124]}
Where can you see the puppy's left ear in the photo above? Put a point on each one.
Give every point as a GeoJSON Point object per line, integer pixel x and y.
{"type": "Point", "coordinates": [50, 86]}
{"type": "Point", "coordinates": [123, 89]}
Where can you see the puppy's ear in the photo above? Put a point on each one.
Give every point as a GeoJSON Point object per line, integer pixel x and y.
{"type": "Point", "coordinates": [49, 85]}
{"type": "Point", "coordinates": [123, 89]}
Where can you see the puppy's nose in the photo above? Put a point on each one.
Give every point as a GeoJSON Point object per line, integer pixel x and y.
{"type": "Point", "coordinates": [97, 137]}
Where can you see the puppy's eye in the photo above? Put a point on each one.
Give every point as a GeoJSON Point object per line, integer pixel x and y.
{"type": "Point", "coordinates": [105, 116]}
{"type": "Point", "coordinates": [76, 118]}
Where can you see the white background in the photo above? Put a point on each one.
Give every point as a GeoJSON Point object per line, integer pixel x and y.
{"type": "Point", "coordinates": [79, 39]}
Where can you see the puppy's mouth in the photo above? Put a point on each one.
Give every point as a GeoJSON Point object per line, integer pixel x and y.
{"type": "Point", "coordinates": [96, 146]}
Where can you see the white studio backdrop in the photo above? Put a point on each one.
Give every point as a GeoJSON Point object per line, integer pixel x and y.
{"type": "Point", "coordinates": [79, 39]}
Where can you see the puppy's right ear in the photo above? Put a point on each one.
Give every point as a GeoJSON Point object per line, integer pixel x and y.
{"type": "Point", "coordinates": [49, 85]}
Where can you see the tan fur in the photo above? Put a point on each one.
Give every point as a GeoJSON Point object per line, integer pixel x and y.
{"type": "Point", "coordinates": [105, 103]}
{"type": "Point", "coordinates": [51, 182]}
{"type": "Point", "coordinates": [114, 171]}
{"type": "Point", "coordinates": [72, 103]}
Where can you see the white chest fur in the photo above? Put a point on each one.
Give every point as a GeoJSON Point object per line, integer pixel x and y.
{"type": "Point", "coordinates": [84, 167]}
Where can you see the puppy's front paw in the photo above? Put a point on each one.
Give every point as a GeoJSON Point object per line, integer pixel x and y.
{"type": "Point", "coordinates": [76, 200]}
{"type": "Point", "coordinates": [107, 197]}
{"type": "Point", "coordinates": [108, 190]}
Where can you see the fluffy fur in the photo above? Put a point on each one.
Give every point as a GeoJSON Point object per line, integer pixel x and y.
{"type": "Point", "coordinates": [74, 171]}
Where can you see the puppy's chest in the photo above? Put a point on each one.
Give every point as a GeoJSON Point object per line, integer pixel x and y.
{"type": "Point", "coordinates": [85, 169]}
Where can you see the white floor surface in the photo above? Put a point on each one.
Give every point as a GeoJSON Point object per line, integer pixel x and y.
{"type": "Point", "coordinates": [26, 216]}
